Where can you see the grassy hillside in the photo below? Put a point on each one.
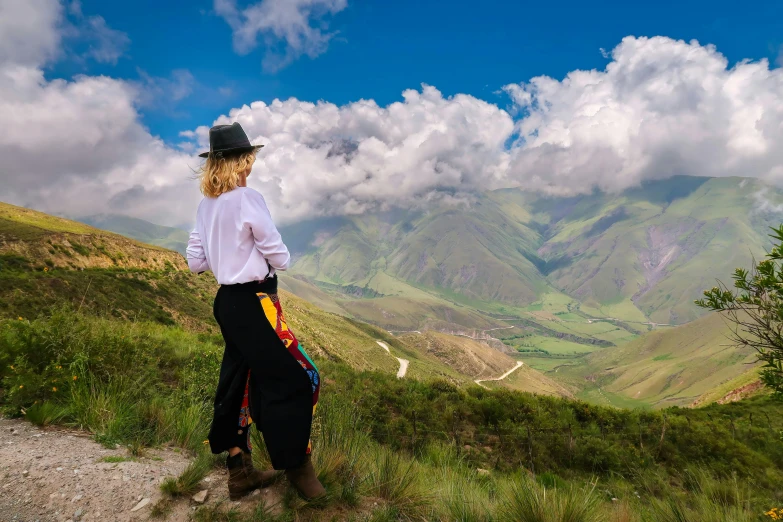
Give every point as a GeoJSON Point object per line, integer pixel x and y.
{"type": "Point", "coordinates": [679, 366]}
{"type": "Point", "coordinates": [167, 237]}
{"type": "Point", "coordinates": [640, 256]}
{"type": "Point", "coordinates": [128, 352]}
{"type": "Point", "coordinates": [47, 263]}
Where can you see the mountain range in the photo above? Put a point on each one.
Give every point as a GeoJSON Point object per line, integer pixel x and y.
{"type": "Point", "coordinates": [566, 281]}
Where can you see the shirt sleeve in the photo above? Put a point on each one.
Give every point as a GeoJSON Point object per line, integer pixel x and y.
{"type": "Point", "coordinates": [197, 259]}
{"type": "Point", "coordinates": [255, 216]}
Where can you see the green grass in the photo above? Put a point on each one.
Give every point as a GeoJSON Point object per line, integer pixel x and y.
{"type": "Point", "coordinates": [553, 345]}
{"type": "Point", "coordinates": [364, 442]}
{"type": "Point", "coordinates": [189, 480]}
{"type": "Point", "coordinates": [675, 366]}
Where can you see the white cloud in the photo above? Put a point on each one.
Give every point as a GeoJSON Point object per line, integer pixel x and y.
{"type": "Point", "coordinates": [28, 32]}
{"type": "Point", "coordinates": [324, 159]}
{"type": "Point", "coordinates": [107, 45]}
{"type": "Point", "coordinates": [660, 108]}
{"type": "Point", "coordinates": [78, 146]}
{"type": "Point", "coordinates": [284, 26]}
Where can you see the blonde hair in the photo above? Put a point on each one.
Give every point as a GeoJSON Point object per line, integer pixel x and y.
{"type": "Point", "coordinates": [221, 174]}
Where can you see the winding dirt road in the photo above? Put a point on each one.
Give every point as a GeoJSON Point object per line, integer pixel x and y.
{"type": "Point", "coordinates": [403, 362]}
{"type": "Point", "coordinates": [512, 370]}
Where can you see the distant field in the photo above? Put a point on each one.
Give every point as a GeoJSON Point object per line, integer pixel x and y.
{"type": "Point", "coordinates": [674, 366]}
{"type": "Point", "coordinates": [548, 364]}
{"type": "Point", "coordinates": [552, 345]}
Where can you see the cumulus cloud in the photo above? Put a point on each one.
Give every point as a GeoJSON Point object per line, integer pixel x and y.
{"type": "Point", "coordinates": [78, 147]}
{"type": "Point", "coordinates": [28, 32]}
{"type": "Point", "coordinates": [285, 26]}
{"type": "Point", "coordinates": [660, 108]}
{"type": "Point", "coordinates": [323, 159]}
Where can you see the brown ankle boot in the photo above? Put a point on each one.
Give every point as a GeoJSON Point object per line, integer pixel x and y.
{"type": "Point", "coordinates": [305, 480]}
{"type": "Point", "coordinates": [243, 478]}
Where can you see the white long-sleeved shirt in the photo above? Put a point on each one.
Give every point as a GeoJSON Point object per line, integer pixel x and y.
{"type": "Point", "coordinates": [236, 238]}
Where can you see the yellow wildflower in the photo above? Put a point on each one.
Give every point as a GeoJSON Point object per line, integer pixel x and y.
{"type": "Point", "coordinates": [54, 388]}
{"type": "Point", "coordinates": [74, 377]}
{"type": "Point", "coordinates": [21, 318]}
{"type": "Point", "coordinates": [21, 386]}
{"type": "Point", "coordinates": [46, 269]}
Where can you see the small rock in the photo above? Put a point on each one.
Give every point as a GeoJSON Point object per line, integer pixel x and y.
{"type": "Point", "coordinates": [139, 497]}
{"type": "Point", "coordinates": [59, 469]}
{"type": "Point", "coordinates": [141, 504]}
{"type": "Point", "coordinates": [25, 473]}
{"type": "Point", "coordinates": [78, 514]}
{"type": "Point", "coordinates": [201, 496]}
{"type": "Point", "coordinates": [255, 492]}
{"type": "Point", "coordinates": [76, 498]}
{"type": "Point", "coordinates": [482, 471]}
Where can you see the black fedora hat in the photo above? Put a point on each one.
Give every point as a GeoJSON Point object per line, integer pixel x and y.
{"type": "Point", "coordinates": [225, 140]}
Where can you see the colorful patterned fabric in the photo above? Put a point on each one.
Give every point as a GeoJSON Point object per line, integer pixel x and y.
{"type": "Point", "coordinates": [270, 303]}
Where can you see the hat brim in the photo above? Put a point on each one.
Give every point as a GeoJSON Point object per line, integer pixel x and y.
{"type": "Point", "coordinates": [236, 150]}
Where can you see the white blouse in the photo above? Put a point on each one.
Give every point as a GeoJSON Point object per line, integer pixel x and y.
{"type": "Point", "coordinates": [236, 238]}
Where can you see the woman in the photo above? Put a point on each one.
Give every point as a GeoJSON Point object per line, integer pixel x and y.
{"type": "Point", "coordinates": [265, 376]}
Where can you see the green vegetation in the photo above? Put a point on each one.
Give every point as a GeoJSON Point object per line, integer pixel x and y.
{"type": "Point", "coordinates": [756, 311]}
{"type": "Point", "coordinates": [129, 353]}
{"type": "Point", "coordinates": [140, 230]}
{"type": "Point", "coordinates": [640, 256]}
{"type": "Point", "coordinates": [675, 366]}
{"type": "Point", "coordinates": [411, 444]}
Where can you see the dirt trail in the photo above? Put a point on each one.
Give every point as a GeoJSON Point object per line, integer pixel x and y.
{"type": "Point", "coordinates": [512, 370]}
{"type": "Point", "coordinates": [403, 362]}
{"type": "Point", "coordinates": [62, 475]}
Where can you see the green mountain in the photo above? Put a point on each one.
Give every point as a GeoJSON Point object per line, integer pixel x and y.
{"type": "Point", "coordinates": [114, 338]}
{"type": "Point", "coordinates": [167, 237]}
{"type": "Point", "coordinates": [640, 256]}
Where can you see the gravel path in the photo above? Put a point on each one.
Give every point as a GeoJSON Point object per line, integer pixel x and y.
{"type": "Point", "coordinates": [54, 474]}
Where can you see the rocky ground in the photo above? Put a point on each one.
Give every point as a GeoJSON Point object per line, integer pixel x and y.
{"type": "Point", "coordinates": [54, 474]}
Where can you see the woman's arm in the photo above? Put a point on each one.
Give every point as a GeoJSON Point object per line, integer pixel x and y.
{"type": "Point", "coordinates": [197, 259]}
{"type": "Point", "coordinates": [255, 215]}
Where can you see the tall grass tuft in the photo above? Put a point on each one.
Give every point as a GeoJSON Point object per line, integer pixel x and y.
{"type": "Point", "coordinates": [189, 480]}
{"type": "Point", "coordinates": [397, 480]}
{"type": "Point", "coordinates": [462, 497]}
{"type": "Point", "coordinates": [526, 501]}
{"type": "Point", "coordinates": [45, 413]}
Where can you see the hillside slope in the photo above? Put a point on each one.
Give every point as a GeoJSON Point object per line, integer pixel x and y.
{"type": "Point", "coordinates": [643, 255]}
{"type": "Point", "coordinates": [663, 368]}
{"type": "Point", "coordinates": [167, 237]}
{"type": "Point", "coordinates": [48, 262]}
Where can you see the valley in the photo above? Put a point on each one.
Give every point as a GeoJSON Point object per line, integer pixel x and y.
{"type": "Point", "coordinates": [558, 281]}
{"type": "Point", "coordinates": [114, 338]}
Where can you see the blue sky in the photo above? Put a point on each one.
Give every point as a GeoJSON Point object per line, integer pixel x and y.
{"type": "Point", "coordinates": [560, 98]}
{"type": "Point", "coordinates": [385, 47]}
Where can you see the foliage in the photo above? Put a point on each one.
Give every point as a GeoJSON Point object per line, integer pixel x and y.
{"type": "Point", "coordinates": [141, 384]}
{"type": "Point", "coordinates": [756, 310]}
